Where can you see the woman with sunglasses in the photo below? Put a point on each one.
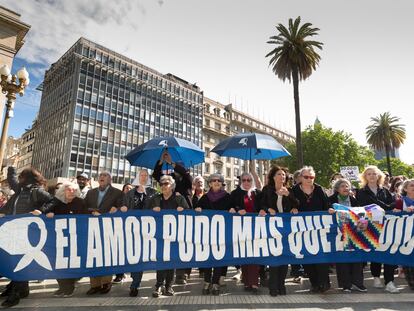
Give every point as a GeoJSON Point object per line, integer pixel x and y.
{"type": "Point", "coordinates": [216, 199]}
{"type": "Point", "coordinates": [372, 191]}
{"type": "Point", "coordinates": [276, 198]}
{"type": "Point", "coordinates": [312, 198]}
{"type": "Point", "coordinates": [246, 199]}
{"type": "Point", "coordinates": [166, 200]}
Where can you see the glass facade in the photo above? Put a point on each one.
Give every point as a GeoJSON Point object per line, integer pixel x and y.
{"type": "Point", "coordinates": [115, 104]}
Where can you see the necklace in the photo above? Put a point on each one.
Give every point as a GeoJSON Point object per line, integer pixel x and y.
{"type": "Point", "coordinates": [308, 196]}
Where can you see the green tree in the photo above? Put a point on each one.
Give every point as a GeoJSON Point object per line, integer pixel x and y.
{"type": "Point", "coordinates": [294, 58]}
{"type": "Point", "coordinates": [398, 167]}
{"type": "Point", "coordinates": [384, 133]}
{"type": "Point", "coordinates": [327, 150]}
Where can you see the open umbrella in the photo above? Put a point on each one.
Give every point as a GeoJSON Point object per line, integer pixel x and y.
{"type": "Point", "coordinates": [148, 153]}
{"type": "Point", "coordinates": [251, 146]}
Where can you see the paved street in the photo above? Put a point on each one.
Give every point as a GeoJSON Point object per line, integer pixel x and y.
{"type": "Point", "coordinates": [189, 297]}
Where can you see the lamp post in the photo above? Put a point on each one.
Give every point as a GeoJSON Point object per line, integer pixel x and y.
{"type": "Point", "coordinates": [10, 88]}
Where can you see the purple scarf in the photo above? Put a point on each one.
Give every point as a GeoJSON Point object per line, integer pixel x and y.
{"type": "Point", "coordinates": [215, 196]}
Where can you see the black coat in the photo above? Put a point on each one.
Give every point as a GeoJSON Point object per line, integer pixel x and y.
{"type": "Point", "coordinates": [269, 200]}
{"type": "Point", "coordinates": [318, 201]}
{"type": "Point", "coordinates": [237, 199]}
{"type": "Point", "coordinates": [29, 197]}
{"type": "Point", "coordinates": [383, 198]}
{"type": "Point", "coordinates": [130, 198]}
{"type": "Point", "coordinates": [334, 199]}
{"type": "Point", "coordinates": [224, 204]}
{"type": "Point", "coordinates": [56, 206]}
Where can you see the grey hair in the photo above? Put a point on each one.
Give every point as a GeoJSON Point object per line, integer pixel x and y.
{"type": "Point", "coordinates": [216, 176]}
{"type": "Point", "coordinates": [337, 184]}
{"type": "Point", "coordinates": [169, 179]}
{"type": "Point", "coordinates": [60, 192]}
{"type": "Point", "coordinates": [307, 168]}
{"type": "Point", "coordinates": [198, 177]}
{"type": "Point", "coordinates": [406, 183]}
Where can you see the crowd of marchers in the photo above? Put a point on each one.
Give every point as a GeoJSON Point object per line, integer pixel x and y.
{"type": "Point", "coordinates": [283, 193]}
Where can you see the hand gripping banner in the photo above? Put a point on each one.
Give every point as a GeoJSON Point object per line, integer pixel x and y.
{"type": "Point", "coordinates": [73, 246]}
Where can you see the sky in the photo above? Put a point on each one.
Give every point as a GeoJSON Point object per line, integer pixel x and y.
{"type": "Point", "coordinates": [365, 69]}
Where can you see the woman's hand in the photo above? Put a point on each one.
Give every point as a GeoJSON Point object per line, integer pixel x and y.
{"type": "Point", "coordinates": [96, 213]}
{"type": "Point", "coordinates": [262, 212]}
{"type": "Point", "coordinates": [397, 210]}
{"type": "Point", "coordinates": [156, 209]}
{"type": "Point", "coordinates": [232, 210]}
{"type": "Point", "coordinates": [123, 209]}
{"type": "Point", "coordinates": [284, 191]}
{"type": "Point", "coordinates": [50, 215]}
{"type": "Point", "coordinates": [331, 211]}
{"type": "Point", "coordinates": [410, 209]}
{"type": "Point", "coordinates": [294, 211]}
{"type": "Point", "coordinates": [271, 211]}
{"type": "Point", "coordinates": [36, 212]}
{"type": "Point", "coordinates": [198, 209]}
{"type": "Point", "coordinates": [242, 212]}
{"type": "Point", "coordinates": [180, 209]}
{"type": "Point", "coordinates": [113, 210]}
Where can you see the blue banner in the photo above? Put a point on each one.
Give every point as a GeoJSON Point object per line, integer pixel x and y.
{"type": "Point", "coordinates": [73, 246]}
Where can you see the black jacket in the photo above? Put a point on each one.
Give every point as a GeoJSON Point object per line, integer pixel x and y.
{"type": "Point", "coordinates": [383, 197]}
{"type": "Point", "coordinates": [269, 200]}
{"type": "Point", "coordinates": [334, 199]}
{"type": "Point", "coordinates": [224, 204]}
{"type": "Point", "coordinates": [172, 203]}
{"type": "Point", "coordinates": [183, 186]}
{"type": "Point", "coordinates": [237, 199]}
{"type": "Point", "coordinates": [318, 201]}
{"type": "Point", "coordinates": [56, 206]}
{"type": "Point", "coordinates": [113, 197]}
{"type": "Point", "coordinates": [25, 198]}
{"type": "Point", "coordinates": [130, 198]}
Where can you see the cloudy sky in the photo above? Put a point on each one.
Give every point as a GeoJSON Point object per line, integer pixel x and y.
{"type": "Point", "coordinates": [366, 66]}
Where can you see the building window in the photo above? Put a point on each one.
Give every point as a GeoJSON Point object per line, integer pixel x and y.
{"type": "Point", "coordinates": [207, 152]}
{"type": "Point", "coordinates": [228, 172]}
{"type": "Point", "coordinates": [207, 122]}
{"type": "Point", "coordinates": [207, 166]}
{"type": "Point", "coordinates": [217, 126]}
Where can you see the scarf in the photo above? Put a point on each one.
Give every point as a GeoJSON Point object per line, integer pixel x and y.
{"type": "Point", "coordinates": [215, 196]}
{"type": "Point", "coordinates": [249, 192]}
{"type": "Point", "coordinates": [408, 202]}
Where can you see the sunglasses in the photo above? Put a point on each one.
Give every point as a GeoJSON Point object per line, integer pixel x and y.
{"type": "Point", "coordinates": [164, 184]}
{"type": "Point", "coordinates": [309, 177]}
{"type": "Point", "coordinates": [215, 180]}
{"type": "Point", "coordinates": [246, 180]}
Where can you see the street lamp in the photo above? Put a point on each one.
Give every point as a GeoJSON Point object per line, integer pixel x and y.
{"type": "Point", "coordinates": [10, 88]}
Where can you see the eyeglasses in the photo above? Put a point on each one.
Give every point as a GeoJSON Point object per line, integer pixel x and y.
{"type": "Point", "coordinates": [246, 180]}
{"type": "Point", "coordinates": [309, 177]}
{"type": "Point", "coordinates": [164, 184]}
{"type": "Point", "coordinates": [215, 180]}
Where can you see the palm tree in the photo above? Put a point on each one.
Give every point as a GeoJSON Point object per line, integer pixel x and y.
{"type": "Point", "coordinates": [294, 58]}
{"type": "Point", "coordinates": [384, 133]}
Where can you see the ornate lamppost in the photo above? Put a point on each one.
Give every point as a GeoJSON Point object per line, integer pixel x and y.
{"type": "Point", "coordinates": [10, 87]}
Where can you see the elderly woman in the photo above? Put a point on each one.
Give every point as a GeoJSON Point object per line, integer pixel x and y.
{"type": "Point", "coordinates": [373, 192]}
{"type": "Point", "coordinates": [246, 199]}
{"type": "Point", "coordinates": [406, 203]}
{"type": "Point", "coordinates": [216, 199]}
{"type": "Point", "coordinates": [312, 198]}
{"type": "Point", "coordinates": [276, 199]}
{"type": "Point", "coordinates": [166, 200]}
{"type": "Point", "coordinates": [350, 275]}
{"type": "Point", "coordinates": [198, 184]}
{"type": "Point", "coordinates": [137, 198]}
{"type": "Point", "coordinates": [66, 201]}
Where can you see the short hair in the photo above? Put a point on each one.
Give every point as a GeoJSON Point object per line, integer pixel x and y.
{"type": "Point", "coordinates": [125, 185]}
{"type": "Point", "coordinates": [405, 185]}
{"type": "Point", "coordinates": [335, 174]}
{"type": "Point", "coordinates": [338, 183]}
{"type": "Point", "coordinates": [363, 177]}
{"type": "Point", "coordinates": [216, 176]}
{"type": "Point", "coordinates": [197, 178]}
{"type": "Point", "coordinates": [105, 173]}
{"type": "Point", "coordinates": [308, 169]}
{"type": "Point", "coordinates": [60, 192]}
{"type": "Point", "coordinates": [169, 179]}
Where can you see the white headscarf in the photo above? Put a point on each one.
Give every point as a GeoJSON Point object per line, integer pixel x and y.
{"type": "Point", "coordinates": [252, 188]}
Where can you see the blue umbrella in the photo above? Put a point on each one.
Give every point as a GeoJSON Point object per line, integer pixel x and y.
{"type": "Point", "coordinates": [148, 153]}
{"type": "Point", "coordinates": [251, 146]}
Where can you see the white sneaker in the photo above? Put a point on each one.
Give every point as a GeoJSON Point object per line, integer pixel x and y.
{"type": "Point", "coordinates": [377, 283]}
{"type": "Point", "coordinates": [237, 276]}
{"type": "Point", "coordinates": [390, 287]}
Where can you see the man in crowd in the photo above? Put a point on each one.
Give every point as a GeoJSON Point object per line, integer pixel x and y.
{"type": "Point", "coordinates": [83, 183]}
{"type": "Point", "coordinates": [102, 200]}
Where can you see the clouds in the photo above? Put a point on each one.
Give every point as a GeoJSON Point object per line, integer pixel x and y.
{"type": "Point", "coordinates": [56, 25]}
